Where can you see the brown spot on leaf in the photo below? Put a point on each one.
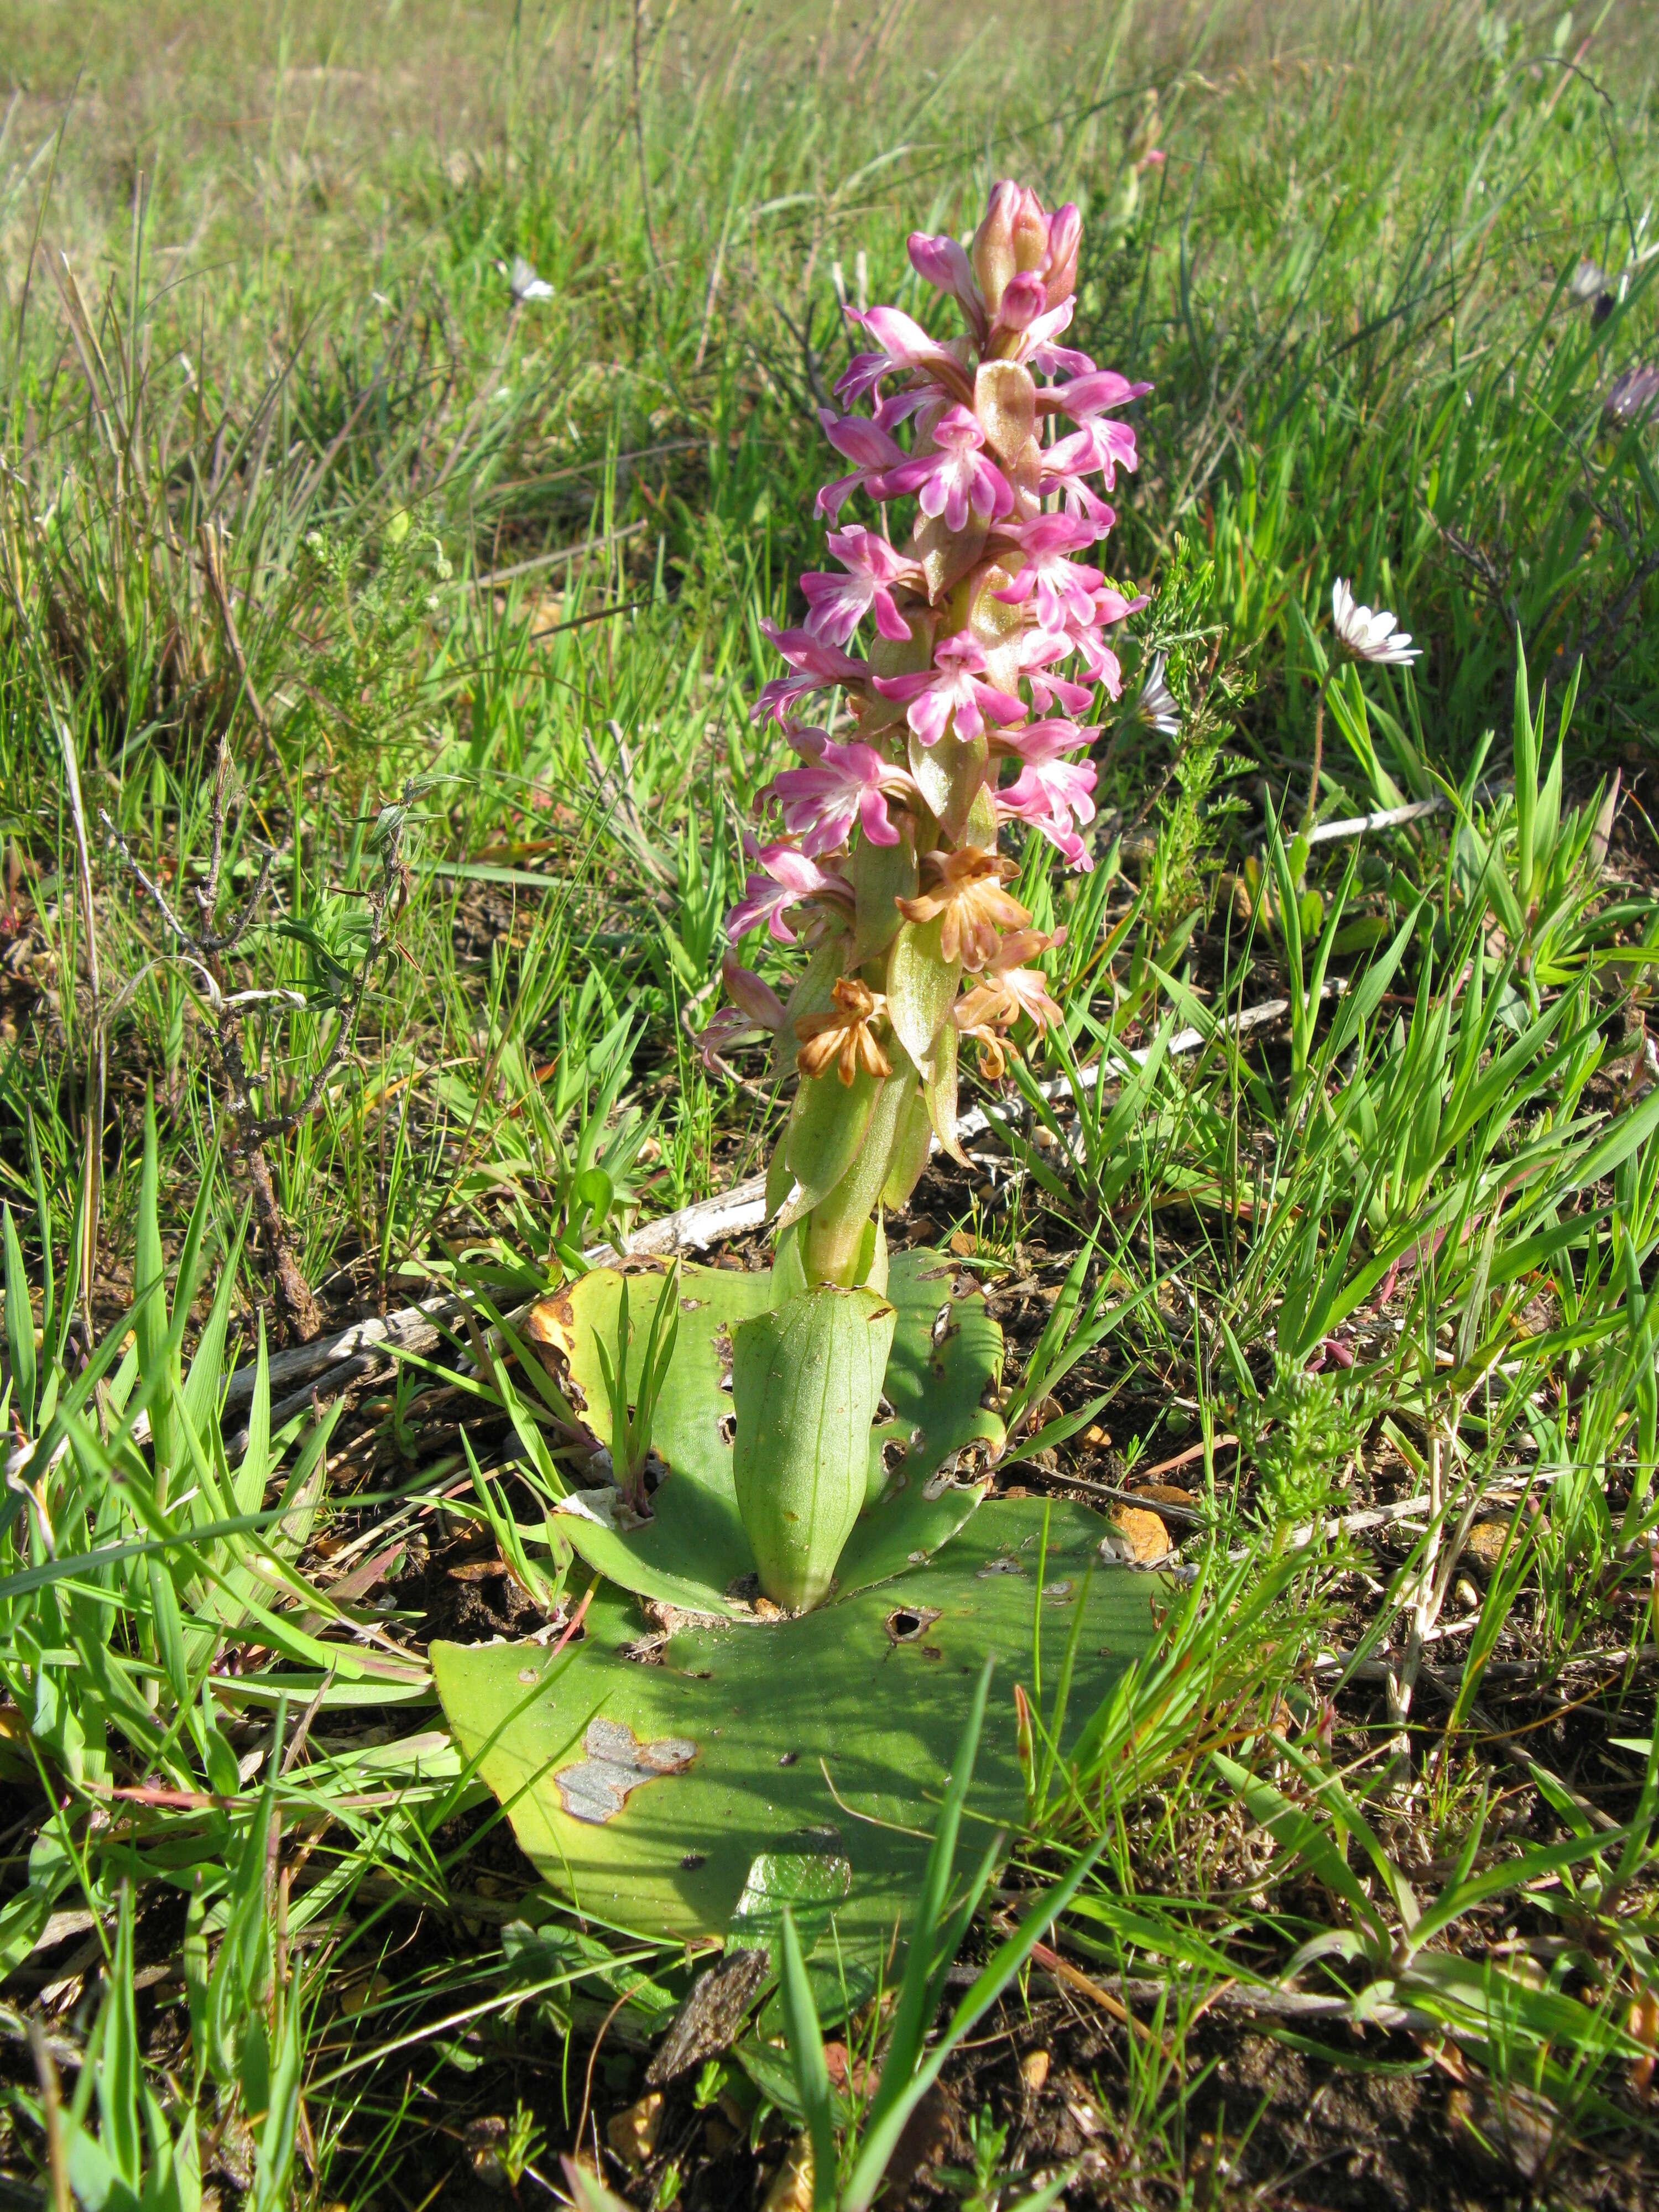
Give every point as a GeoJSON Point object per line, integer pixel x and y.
{"type": "Point", "coordinates": [597, 1787]}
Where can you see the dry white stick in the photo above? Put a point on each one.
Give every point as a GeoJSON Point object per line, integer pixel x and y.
{"type": "Point", "coordinates": [412, 1328]}
{"type": "Point", "coordinates": [1424, 1599]}
{"type": "Point", "coordinates": [1388, 817]}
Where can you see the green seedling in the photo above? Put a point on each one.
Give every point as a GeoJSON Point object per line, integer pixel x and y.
{"type": "Point", "coordinates": [634, 1387]}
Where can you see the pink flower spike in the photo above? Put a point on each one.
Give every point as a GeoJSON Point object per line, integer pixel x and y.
{"type": "Point", "coordinates": [950, 686]}
{"type": "Point", "coordinates": [955, 479]}
{"type": "Point", "coordinates": [788, 877]}
{"type": "Point", "coordinates": [942, 263]}
{"type": "Point", "coordinates": [1063, 587]}
{"type": "Point", "coordinates": [845, 783]}
{"type": "Point", "coordinates": [818, 665]}
{"type": "Point", "coordinates": [903, 344]}
{"type": "Point", "coordinates": [838, 603]}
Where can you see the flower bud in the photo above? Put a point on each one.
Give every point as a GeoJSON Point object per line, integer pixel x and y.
{"type": "Point", "coordinates": [746, 991]}
{"type": "Point", "coordinates": [1065, 236]}
{"type": "Point", "coordinates": [1030, 233]}
{"type": "Point", "coordinates": [1023, 301]}
{"type": "Point", "coordinates": [993, 257]}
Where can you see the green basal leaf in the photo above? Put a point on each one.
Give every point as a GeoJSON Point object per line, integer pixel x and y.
{"type": "Point", "coordinates": [645, 1793]}
{"type": "Point", "coordinates": [805, 1382]}
{"type": "Point", "coordinates": [947, 1352]}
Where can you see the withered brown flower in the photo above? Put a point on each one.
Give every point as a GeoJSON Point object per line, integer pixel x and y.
{"type": "Point", "coordinates": [843, 1034]}
{"type": "Point", "coordinates": [1008, 990]}
{"type": "Point", "coordinates": [966, 888]}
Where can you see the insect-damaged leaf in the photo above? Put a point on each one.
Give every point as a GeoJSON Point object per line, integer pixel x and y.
{"type": "Point", "coordinates": [825, 1734]}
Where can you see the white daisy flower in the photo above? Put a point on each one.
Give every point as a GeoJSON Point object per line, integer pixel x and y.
{"type": "Point", "coordinates": [1636, 394]}
{"type": "Point", "coordinates": [1370, 635]}
{"type": "Point", "coordinates": [1156, 706]}
{"type": "Point", "coordinates": [526, 284]}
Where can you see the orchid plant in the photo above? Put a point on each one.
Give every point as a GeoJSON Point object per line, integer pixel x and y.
{"type": "Point", "coordinates": [987, 635]}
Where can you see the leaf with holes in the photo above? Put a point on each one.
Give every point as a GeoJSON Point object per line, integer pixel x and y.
{"type": "Point", "coordinates": [692, 1553]}
{"type": "Point", "coordinates": [646, 1793]}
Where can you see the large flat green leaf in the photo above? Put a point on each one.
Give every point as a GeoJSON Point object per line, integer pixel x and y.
{"type": "Point", "coordinates": [645, 1792]}
{"type": "Point", "coordinates": [945, 1352]}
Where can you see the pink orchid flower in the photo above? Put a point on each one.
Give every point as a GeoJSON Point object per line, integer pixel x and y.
{"type": "Point", "coordinates": [787, 876]}
{"type": "Point", "coordinates": [1035, 743]}
{"type": "Point", "coordinates": [865, 443]}
{"type": "Point", "coordinates": [1066, 464]}
{"type": "Point", "coordinates": [818, 665]}
{"type": "Point", "coordinates": [1063, 587]}
{"type": "Point", "coordinates": [903, 345]}
{"type": "Point", "coordinates": [1099, 392]}
{"type": "Point", "coordinates": [1047, 794]}
{"type": "Point", "coordinates": [1038, 336]}
{"type": "Point", "coordinates": [1089, 400]}
{"type": "Point", "coordinates": [955, 479]}
{"type": "Point", "coordinates": [952, 686]}
{"type": "Point", "coordinates": [839, 604]}
{"type": "Point", "coordinates": [756, 1011]}
{"type": "Point", "coordinates": [841, 785]}
{"type": "Point", "coordinates": [1097, 657]}
{"type": "Point", "coordinates": [1058, 360]}
{"type": "Point", "coordinates": [1039, 649]}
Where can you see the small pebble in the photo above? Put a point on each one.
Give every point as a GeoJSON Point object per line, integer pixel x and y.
{"type": "Point", "coordinates": [1145, 1533]}
{"type": "Point", "coordinates": [1466, 1594]}
{"type": "Point", "coordinates": [1485, 1543]}
{"type": "Point", "coordinates": [1095, 1435]}
{"type": "Point", "coordinates": [1034, 2069]}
